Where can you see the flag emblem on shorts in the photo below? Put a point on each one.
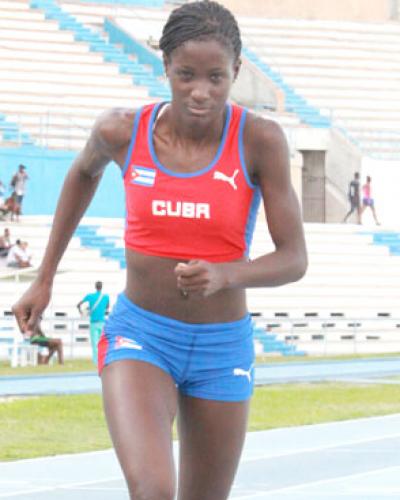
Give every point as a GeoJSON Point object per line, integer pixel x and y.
{"type": "Point", "coordinates": [143, 176]}
{"type": "Point", "coordinates": [126, 343]}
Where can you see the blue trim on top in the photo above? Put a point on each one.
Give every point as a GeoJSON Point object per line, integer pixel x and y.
{"type": "Point", "coordinates": [241, 149]}
{"type": "Point", "coordinates": [251, 220]}
{"type": "Point", "coordinates": [197, 172]}
{"type": "Point", "coordinates": [133, 140]}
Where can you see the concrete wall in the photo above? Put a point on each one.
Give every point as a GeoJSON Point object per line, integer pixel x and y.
{"type": "Point", "coordinates": [296, 168]}
{"type": "Point", "coordinates": [344, 10]}
{"type": "Point", "coordinates": [47, 171]}
{"type": "Point", "coordinates": [254, 89]}
{"type": "Point", "coordinates": [329, 162]}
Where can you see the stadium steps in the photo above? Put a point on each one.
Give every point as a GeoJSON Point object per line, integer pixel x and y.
{"type": "Point", "coordinates": [390, 240]}
{"type": "Point", "coordinates": [90, 238]}
{"type": "Point", "coordinates": [271, 345]}
{"type": "Point", "coordinates": [142, 75]}
{"type": "Point", "coordinates": [348, 298]}
{"type": "Point", "coordinates": [11, 132]}
{"type": "Point", "coordinates": [325, 61]}
{"type": "Point", "coordinates": [294, 102]}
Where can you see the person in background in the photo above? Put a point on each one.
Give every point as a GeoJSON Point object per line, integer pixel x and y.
{"type": "Point", "coordinates": [368, 200]}
{"type": "Point", "coordinates": [354, 198]}
{"type": "Point", "coordinates": [10, 208]}
{"type": "Point", "coordinates": [98, 309]}
{"type": "Point", "coordinates": [19, 256]}
{"type": "Point", "coordinates": [5, 243]}
{"type": "Point", "coordinates": [53, 346]}
{"type": "Point", "coordinates": [18, 184]}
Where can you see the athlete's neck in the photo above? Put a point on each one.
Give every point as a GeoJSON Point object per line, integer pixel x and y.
{"type": "Point", "coordinates": [190, 131]}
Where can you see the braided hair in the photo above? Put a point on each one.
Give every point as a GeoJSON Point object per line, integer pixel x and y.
{"type": "Point", "coordinates": [201, 20]}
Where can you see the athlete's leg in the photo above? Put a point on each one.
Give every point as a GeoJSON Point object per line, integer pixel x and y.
{"type": "Point", "coordinates": [348, 214]}
{"type": "Point", "coordinates": [55, 345]}
{"type": "Point", "coordinates": [374, 215]}
{"type": "Point", "coordinates": [95, 334]}
{"type": "Point", "coordinates": [211, 439]}
{"type": "Point", "coordinates": [140, 406]}
{"type": "Point", "coordinates": [362, 210]}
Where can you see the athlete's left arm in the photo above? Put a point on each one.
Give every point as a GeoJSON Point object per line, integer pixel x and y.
{"type": "Point", "coordinates": [269, 162]}
{"type": "Point", "coordinates": [267, 155]}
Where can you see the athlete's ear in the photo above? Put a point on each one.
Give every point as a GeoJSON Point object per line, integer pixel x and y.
{"type": "Point", "coordinates": [236, 68]}
{"type": "Point", "coordinates": [166, 62]}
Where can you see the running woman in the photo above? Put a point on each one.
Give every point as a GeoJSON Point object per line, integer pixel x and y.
{"type": "Point", "coordinates": [179, 339]}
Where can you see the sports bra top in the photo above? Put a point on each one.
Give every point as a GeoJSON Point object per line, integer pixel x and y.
{"type": "Point", "coordinates": [207, 214]}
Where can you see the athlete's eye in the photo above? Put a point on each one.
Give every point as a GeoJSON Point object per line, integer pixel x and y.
{"type": "Point", "coordinates": [185, 75]}
{"type": "Point", "coordinates": [216, 77]}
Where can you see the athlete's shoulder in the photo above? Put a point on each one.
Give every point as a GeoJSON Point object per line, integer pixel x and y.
{"type": "Point", "coordinates": [113, 128]}
{"type": "Point", "coordinates": [262, 131]}
{"type": "Point", "coordinates": [265, 145]}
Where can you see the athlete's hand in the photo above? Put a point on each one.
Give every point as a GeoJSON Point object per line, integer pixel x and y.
{"type": "Point", "coordinates": [200, 276]}
{"type": "Point", "coordinates": [29, 308]}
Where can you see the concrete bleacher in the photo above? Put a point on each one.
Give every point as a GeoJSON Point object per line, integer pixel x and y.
{"type": "Point", "coordinates": [347, 301]}
{"type": "Point", "coordinates": [52, 85]}
{"type": "Point", "coordinates": [56, 62]}
{"type": "Point", "coordinates": [349, 71]}
{"type": "Point", "coordinates": [79, 268]}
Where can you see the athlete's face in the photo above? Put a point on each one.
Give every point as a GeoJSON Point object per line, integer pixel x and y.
{"type": "Point", "coordinates": [201, 74]}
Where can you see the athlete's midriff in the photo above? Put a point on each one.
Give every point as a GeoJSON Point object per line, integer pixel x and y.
{"type": "Point", "coordinates": [151, 284]}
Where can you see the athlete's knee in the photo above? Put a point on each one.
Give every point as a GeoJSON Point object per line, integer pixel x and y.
{"type": "Point", "coordinates": [151, 488]}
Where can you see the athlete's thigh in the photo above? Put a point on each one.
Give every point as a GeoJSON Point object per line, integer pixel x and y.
{"type": "Point", "coordinates": [211, 437]}
{"type": "Point", "coordinates": [140, 405]}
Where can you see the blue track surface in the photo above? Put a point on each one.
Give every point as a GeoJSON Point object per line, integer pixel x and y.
{"type": "Point", "coordinates": [352, 460]}
{"type": "Point", "coordinates": [276, 373]}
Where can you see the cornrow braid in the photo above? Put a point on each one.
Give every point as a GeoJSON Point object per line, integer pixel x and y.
{"type": "Point", "coordinates": [201, 20]}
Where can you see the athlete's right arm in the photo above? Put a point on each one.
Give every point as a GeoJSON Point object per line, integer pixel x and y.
{"type": "Point", "coordinates": [108, 135]}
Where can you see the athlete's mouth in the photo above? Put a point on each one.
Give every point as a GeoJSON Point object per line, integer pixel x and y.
{"type": "Point", "coordinates": [198, 111]}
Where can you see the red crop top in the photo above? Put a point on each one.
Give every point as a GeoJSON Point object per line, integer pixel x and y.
{"type": "Point", "coordinates": [207, 214]}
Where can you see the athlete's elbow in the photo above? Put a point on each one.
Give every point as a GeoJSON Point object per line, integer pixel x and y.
{"type": "Point", "coordinates": [300, 265]}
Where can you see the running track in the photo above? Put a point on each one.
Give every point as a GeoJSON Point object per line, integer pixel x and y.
{"type": "Point", "coordinates": [351, 460]}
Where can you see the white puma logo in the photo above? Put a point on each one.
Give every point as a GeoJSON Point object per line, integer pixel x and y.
{"type": "Point", "coordinates": [220, 176]}
{"type": "Point", "coordinates": [245, 373]}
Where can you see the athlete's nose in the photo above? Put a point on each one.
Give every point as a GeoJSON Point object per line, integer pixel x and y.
{"type": "Point", "coordinates": [200, 93]}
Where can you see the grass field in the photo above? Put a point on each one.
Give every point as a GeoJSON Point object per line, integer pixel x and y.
{"type": "Point", "coordinates": [53, 425]}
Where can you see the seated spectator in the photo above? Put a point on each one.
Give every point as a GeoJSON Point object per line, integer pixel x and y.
{"type": "Point", "coordinates": [10, 207]}
{"type": "Point", "coordinates": [5, 243]}
{"type": "Point", "coordinates": [53, 345]}
{"type": "Point", "coordinates": [18, 255]}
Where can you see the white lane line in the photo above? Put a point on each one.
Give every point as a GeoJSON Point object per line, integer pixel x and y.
{"type": "Point", "coordinates": [303, 486]}
{"type": "Point", "coordinates": [59, 486]}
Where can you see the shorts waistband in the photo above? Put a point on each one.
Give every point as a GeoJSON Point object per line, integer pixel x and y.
{"type": "Point", "coordinates": [183, 326]}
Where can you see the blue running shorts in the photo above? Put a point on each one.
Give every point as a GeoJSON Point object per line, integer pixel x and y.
{"type": "Point", "coordinates": [209, 361]}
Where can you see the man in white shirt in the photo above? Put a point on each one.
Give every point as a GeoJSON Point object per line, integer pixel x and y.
{"type": "Point", "coordinates": [18, 256]}
{"type": "Point", "coordinates": [18, 183]}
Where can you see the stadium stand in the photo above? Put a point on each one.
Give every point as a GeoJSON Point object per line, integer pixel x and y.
{"type": "Point", "coordinates": [54, 82]}
{"type": "Point", "coordinates": [325, 61]}
{"type": "Point", "coordinates": [347, 301]}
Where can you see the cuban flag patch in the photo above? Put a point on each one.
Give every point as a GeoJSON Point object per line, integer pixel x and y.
{"type": "Point", "coordinates": [143, 176]}
{"type": "Point", "coordinates": [126, 343]}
